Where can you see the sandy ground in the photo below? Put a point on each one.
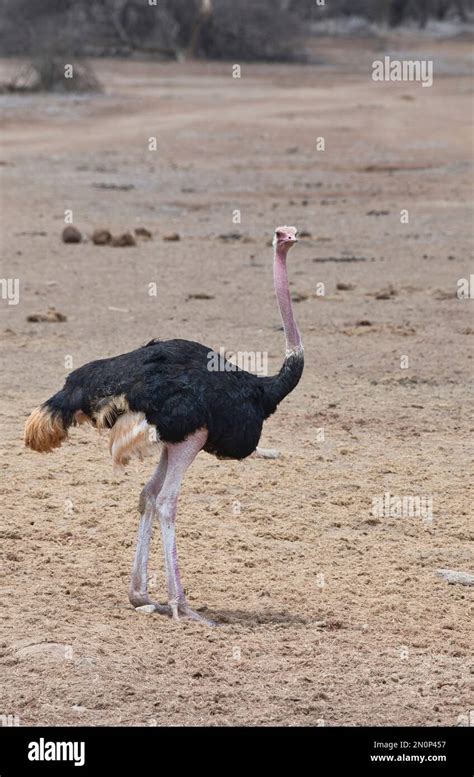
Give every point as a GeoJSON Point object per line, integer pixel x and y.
{"type": "Point", "coordinates": [327, 614]}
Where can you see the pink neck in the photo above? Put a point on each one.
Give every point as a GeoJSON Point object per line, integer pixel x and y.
{"type": "Point", "coordinates": [282, 289]}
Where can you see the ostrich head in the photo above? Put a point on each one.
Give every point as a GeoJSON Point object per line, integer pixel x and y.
{"type": "Point", "coordinates": [284, 238]}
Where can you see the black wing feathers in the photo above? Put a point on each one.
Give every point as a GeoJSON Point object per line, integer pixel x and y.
{"type": "Point", "coordinates": [169, 381]}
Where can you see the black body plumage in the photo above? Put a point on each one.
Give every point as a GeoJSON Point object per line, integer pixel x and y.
{"type": "Point", "coordinates": [171, 383]}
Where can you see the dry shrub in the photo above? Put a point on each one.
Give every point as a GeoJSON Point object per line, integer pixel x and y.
{"type": "Point", "coordinates": [47, 74]}
{"type": "Point", "coordinates": [251, 30]}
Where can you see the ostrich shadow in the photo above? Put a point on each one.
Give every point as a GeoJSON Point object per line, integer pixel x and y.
{"type": "Point", "coordinates": [257, 618]}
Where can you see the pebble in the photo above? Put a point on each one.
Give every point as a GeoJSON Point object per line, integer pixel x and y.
{"type": "Point", "coordinates": [71, 235]}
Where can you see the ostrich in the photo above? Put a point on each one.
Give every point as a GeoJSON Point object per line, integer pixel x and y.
{"type": "Point", "coordinates": [166, 392]}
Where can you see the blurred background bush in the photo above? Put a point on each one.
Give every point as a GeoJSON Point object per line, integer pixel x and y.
{"type": "Point", "coordinates": [240, 30]}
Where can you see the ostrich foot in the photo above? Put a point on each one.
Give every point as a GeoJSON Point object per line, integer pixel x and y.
{"type": "Point", "coordinates": [143, 600]}
{"type": "Point", "coordinates": [177, 612]}
{"type": "Point", "coordinates": [266, 453]}
{"type": "Point", "coordinates": [187, 612]}
{"type": "Point", "coordinates": [183, 610]}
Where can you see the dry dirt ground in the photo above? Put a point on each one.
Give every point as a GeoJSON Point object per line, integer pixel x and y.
{"type": "Point", "coordinates": [328, 615]}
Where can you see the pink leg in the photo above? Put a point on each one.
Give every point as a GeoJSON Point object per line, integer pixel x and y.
{"type": "Point", "coordinates": [138, 592]}
{"type": "Point", "coordinates": [180, 457]}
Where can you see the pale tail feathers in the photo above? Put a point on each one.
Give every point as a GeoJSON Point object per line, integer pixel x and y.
{"type": "Point", "coordinates": [44, 430]}
{"type": "Point", "coordinates": [131, 435]}
{"type": "Point", "coordinates": [109, 410]}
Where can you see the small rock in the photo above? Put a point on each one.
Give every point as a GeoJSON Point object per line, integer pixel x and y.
{"type": "Point", "coordinates": [52, 316]}
{"type": "Point", "coordinates": [199, 295]}
{"type": "Point", "coordinates": [386, 293]}
{"type": "Point", "coordinates": [101, 237]}
{"type": "Point", "coordinates": [48, 650]}
{"type": "Point", "coordinates": [71, 234]}
{"type": "Point", "coordinates": [345, 286]}
{"type": "Point", "coordinates": [124, 240]}
{"type": "Point", "coordinates": [443, 294]}
{"type": "Point", "coordinates": [172, 237]}
{"type": "Point", "coordinates": [118, 187]}
{"type": "Point", "coordinates": [452, 576]}
{"type": "Point", "coordinates": [228, 237]}
{"type": "Point", "coordinates": [298, 296]}
{"type": "Point", "coordinates": [143, 233]}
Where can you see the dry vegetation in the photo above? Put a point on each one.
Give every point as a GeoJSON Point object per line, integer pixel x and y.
{"type": "Point", "coordinates": [246, 30]}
